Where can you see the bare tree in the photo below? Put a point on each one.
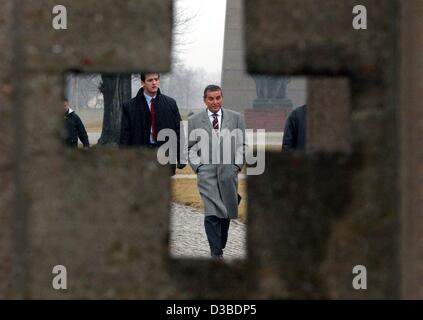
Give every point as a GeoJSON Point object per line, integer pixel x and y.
{"type": "Point", "coordinates": [81, 88]}
{"type": "Point", "coordinates": [116, 89]}
{"type": "Point", "coordinates": [182, 25]}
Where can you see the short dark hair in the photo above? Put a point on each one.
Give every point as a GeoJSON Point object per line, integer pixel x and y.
{"type": "Point", "coordinates": [142, 75]}
{"type": "Point", "coordinates": [211, 88]}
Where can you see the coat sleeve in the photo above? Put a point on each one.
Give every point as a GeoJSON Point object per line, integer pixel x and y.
{"type": "Point", "coordinates": [82, 133]}
{"type": "Point", "coordinates": [289, 142]}
{"type": "Point", "coordinates": [193, 147]}
{"type": "Point", "coordinates": [180, 134]}
{"type": "Point", "coordinates": [241, 143]}
{"type": "Point", "coordinates": [125, 127]}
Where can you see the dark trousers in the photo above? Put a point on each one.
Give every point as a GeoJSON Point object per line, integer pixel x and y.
{"type": "Point", "coordinates": [217, 233]}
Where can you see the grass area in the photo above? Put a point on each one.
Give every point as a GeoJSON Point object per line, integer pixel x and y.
{"type": "Point", "coordinates": [273, 147]}
{"type": "Point", "coordinates": [186, 170]}
{"type": "Point", "coordinates": [185, 192]}
{"type": "Point", "coordinates": [92, 119]}
{"type": "Point", "coordinates": [93, 128]}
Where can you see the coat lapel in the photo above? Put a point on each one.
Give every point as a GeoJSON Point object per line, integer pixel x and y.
{"type": "Point", "coordinates": [206, 122]}
{"type": "Point", "coordinates": [225, 120]}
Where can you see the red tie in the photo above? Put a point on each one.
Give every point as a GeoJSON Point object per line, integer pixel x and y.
{"type": "Point", "coordinates": [153, 121]}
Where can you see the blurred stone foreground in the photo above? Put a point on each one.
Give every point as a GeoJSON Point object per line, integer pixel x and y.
{"type": "Point", "coordinates": [354, 198]}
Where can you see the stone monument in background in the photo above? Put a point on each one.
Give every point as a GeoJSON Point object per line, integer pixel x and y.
{"type": "Point", "coordinates": [264, 100]}
{"type": "Point", "coordinates": [271, 93]}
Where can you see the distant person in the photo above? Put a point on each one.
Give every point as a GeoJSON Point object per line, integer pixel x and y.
{"type": "Point", "coordinates": [149, 112]}
{"type": "Point", "coordinates": [294, 135]}
{"type": "Point", "coordinates": [74, 128]}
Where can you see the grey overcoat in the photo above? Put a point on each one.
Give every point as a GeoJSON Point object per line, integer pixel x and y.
{"type": "Point", "coordinates": [217, 158]}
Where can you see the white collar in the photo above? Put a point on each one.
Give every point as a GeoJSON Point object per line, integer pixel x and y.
{"type": "Point", "coordinates": [148, 97]}
{"type": "Point", "coordinates": [219, 113]}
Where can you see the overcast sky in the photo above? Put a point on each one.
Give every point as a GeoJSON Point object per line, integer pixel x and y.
{"type": "Point", "coordinates": [203, 42]}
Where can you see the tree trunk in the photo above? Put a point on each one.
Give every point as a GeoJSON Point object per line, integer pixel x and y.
{"type": "Point", "coordinates": [116, 90]}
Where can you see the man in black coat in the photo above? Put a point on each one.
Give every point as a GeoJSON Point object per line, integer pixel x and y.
{"type": "Point", "coordinates": [294, 135]}
{"type": "Point", "coordinates": [74, 128]}
{"type": "Point", "coordinates": [149, 112]}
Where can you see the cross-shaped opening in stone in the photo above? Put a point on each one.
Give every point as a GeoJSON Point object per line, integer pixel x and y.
{"type": "Point", "coordinates": [93, 115]}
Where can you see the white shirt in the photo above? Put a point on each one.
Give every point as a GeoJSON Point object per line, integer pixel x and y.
{"type": "Point", "coordinates": [149, 98]}
{"type": "Point", "coordinates": [219, 117]}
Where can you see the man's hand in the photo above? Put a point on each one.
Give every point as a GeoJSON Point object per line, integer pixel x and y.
{"type": "Point", "coordinates": [181, 165]}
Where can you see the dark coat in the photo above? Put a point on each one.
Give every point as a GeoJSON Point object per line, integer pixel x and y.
{"type": "Point", "coordinates": [136, 120]}
{"type": "Point", "coordinates": [294, 135]}
{"type": "Point", "coordinates": [75, 129]}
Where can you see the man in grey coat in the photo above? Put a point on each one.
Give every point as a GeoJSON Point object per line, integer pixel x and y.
{"type": "Point", "coordinates": [216, 150]}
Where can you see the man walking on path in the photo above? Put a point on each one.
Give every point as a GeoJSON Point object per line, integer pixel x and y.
{"type": "Point", "coordinates": [216, 149]}
{"type": "Point", "coordinates": [149, 112]}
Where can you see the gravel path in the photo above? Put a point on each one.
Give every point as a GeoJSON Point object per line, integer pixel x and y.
{"type": "Point", "coordinates": [188, 237]}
